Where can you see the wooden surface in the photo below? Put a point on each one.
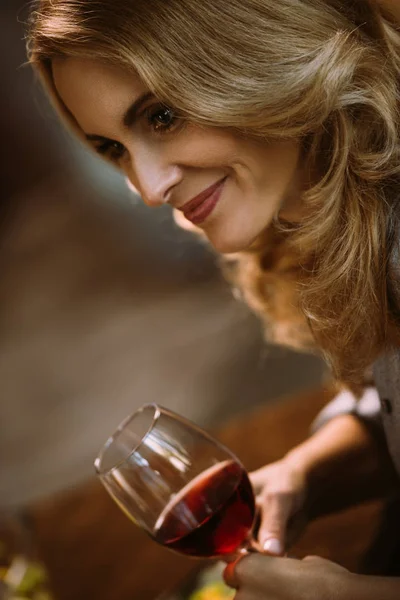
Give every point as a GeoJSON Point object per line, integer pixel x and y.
{"type": "Point", "coordinates": [94, 553]}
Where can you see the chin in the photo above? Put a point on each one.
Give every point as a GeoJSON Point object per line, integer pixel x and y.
{"type": "Point", "coordinates": [226, 243]}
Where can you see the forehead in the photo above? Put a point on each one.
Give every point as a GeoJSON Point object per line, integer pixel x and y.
{"type": "Point", "coordinates": [97, 94]}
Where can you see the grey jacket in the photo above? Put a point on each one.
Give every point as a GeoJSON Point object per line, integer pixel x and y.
{"type": "Point", "coordinates": [387, 382]}
{"type": "Point", "coordinates": [380, 404]}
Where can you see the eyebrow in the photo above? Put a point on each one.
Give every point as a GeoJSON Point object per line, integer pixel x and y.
{"type": "Point", "coordinates": [129, 117]}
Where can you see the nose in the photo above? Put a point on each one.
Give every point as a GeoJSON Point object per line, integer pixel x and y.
{"type": "Point", "coordinates": [154, 179]}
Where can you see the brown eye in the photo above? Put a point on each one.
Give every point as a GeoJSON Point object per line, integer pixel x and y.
{"type": "Point", "coordinates": [161, 119]}
{"type": "Point", "coordinates": [111, 150]}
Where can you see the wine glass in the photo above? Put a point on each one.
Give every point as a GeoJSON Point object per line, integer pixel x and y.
{"type": "Point", "coordinates": [184, 488]}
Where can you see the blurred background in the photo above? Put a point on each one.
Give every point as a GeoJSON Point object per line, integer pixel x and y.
{"type": "Point", "coordinates": [105, 304]}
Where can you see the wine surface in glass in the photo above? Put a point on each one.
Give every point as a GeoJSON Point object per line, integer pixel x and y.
{"type": "Point", "coordinates": [211, 516]}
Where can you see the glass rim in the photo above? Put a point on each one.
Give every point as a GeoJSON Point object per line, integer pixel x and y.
{"type": "Point", "coordinates": [100, 456]}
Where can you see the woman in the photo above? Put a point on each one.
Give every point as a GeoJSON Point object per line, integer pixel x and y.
{"type": "Point", "coordinates": [273, 129]}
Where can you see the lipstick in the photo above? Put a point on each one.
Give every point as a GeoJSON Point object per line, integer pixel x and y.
{"type": "Point", "coordinates": [200, 207]}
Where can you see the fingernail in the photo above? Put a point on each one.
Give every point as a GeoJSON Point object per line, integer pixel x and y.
{"type": "Point", "coordinates": [273, 546]}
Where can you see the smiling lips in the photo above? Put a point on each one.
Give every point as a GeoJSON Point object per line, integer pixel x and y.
{"type": "Point", "coordinates": [198, 209]}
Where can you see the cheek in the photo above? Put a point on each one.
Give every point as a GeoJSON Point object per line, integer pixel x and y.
{"type": "Point", "coordinates": [206, 147]}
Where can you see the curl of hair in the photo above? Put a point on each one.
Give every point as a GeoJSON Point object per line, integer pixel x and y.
{"type": "Point", "coordinates": [324, 72]}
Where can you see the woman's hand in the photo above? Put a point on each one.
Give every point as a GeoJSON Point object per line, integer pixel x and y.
{"type": "Point", "coordinates": [261, 577]}
{"type": "Point", "coordinates": [281, 492]}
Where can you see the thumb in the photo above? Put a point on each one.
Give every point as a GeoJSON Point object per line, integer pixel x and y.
{"type": "Point", "coordinates": [272, 532]}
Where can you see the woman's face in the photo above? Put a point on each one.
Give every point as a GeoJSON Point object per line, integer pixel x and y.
{"type": "Point", "coordinates": [243, 183]}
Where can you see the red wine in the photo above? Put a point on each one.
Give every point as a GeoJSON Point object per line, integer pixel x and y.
{"type": "Point", "coordinates": [212, 515]}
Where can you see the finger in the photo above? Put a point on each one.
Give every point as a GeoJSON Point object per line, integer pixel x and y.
{"type": "Point", "coordinates": [295, 527]}
{"type": "Point", "coordinates": [257, 520]}
{"type": "Point", "coordinates": [253, 545]}
{"type": "Point", "coordinates": [324, 564]}
{"type": "Point", "coordinates": [229, 573]}
{"type": "Point", "coordinates": [243, 569]}
{"type": "Point", "coordinates": [257, 479]}
{"type": "Point", "coordinates": [274, 518]}
{"type": "Point", "coordinates": [241, 595]}
{"type": "Point", "coordinates": [259, 572]}
{"type": "Point", "coordinates": [317, 560]}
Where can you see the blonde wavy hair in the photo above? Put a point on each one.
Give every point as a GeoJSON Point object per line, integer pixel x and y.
{"type": "Point", "coordinates": [325, 72]}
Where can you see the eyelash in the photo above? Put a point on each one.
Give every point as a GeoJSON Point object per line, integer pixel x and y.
{"type": "Point", "coordinates": [115, 151]}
